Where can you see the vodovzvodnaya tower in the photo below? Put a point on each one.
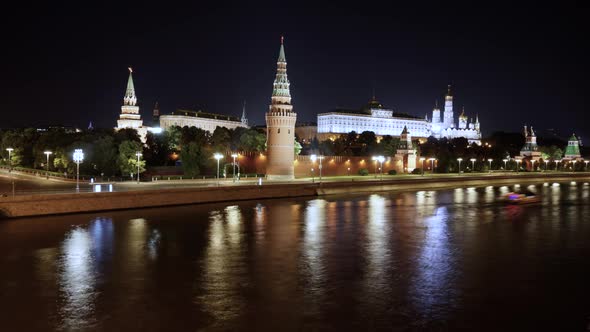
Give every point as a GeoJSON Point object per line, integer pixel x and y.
{"type": "Point", "coordinates": [280, 126]}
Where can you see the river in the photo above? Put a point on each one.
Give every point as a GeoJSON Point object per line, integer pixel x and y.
{"type": "Point", "coordinates": [428, 260]}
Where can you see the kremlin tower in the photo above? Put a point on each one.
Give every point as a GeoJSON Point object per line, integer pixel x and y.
{"type": "Point", "coordinates": [280, 126]}
{"type": "Point", "coordinates": [129, 117]}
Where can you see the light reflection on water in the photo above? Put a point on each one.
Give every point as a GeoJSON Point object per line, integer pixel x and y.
{"type": "Point", "coordinates": [422, 260]}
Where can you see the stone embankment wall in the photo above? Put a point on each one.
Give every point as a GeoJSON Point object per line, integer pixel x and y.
{"type": "Point", "coordinates": [38, 205]}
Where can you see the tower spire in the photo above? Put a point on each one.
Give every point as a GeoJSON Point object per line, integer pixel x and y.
{"type": "Point", "coordinates": [244, 119]}
{"type": "Point", "coordinates": [130, 98]}
{"type": "Point", "coordinates": [282, 57]}
{"type": "Point", "coordinates": [448, 90]}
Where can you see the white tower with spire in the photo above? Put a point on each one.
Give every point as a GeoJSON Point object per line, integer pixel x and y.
{"type": "Point", "coordinates": [280, 125]}
{"type": "Point", "coordinates": [244, 119]}
{"type": "Point", "coordinates": [130, 117]}
{"type": "Point", "coordinates": [449, 121]}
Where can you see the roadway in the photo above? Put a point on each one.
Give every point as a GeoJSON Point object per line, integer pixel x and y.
{"type": "Point", "coordinates": [26, 184]}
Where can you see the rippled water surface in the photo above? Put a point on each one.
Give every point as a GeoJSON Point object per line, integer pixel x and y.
{"type": "Point", "coordinates": [428, 260]}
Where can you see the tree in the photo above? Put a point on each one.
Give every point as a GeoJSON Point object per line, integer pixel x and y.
{"type": "Point", "coordinates": [297, 147]}
{"type": "Point", "coordinates": [192, 158]}
{"type": "Point", "coordinates": [104, 156]}
{"type": "Point", "coordinates": [221, 139]}
{"type": "Point", "coordinates": [368, 142]}
{"type": "Point", "coordinates": [127, 159]}
{"type": "Point", "coordinates": [252, 141]}
{"type": "Point", "coordinates": [551, 152]}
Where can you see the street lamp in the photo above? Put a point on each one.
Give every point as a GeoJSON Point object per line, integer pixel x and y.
{"type": "Point", "coordinates": [348, 171]}
{"type": "Point", "coordinates": [517, 161]}
{"type": "Point", "coordinates": [234, 156]}
{"type": "Point", "coordinates": [472, 164]}
{"type": "Point", "coordinates": [574, 165]}
{"type": "Point", "coordinates": [432, 164]}
{"type": "Point", "coordinates": [459, 160]}
{"type": "Point", "coordinates": [381, 159]}
{"type": "Point", "coordinates": [586, 166]}
{"type": "Point", "coordinates": [78, 158]}
{"type": "Point", "coordinates": [138, 154]}
{"type": "Point", "coordinates": [9, 159]}
{"type": "Point", "coordinates": [47, 153]}
{"type": "Point", "coordinates": [313, 158]}
{"type": "Point", "coordinates": [490, 160]}
{"type": "Point", "coordinates": [422, 160]}
{"type": "Point", "coordinates": [374, 158]}
{"type": "Point", "coordinates": [218, 156]}
{"type": "Point", "coordinates": [546, 162]}
{"type": "Point", "coordinates": [505, 163]}
{"type": "Point", "coordinates": [533, 166]}
{"type": "Point", "coordinates": [312, 176]}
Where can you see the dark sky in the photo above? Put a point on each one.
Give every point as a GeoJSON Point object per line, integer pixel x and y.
{"type": "Point", "coordinates": [513, 65]}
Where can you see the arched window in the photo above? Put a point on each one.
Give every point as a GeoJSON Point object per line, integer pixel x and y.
{"type": "Point", "coordinates": [279, 131]}
{"type": "Point", "coordinates": [289, 131]}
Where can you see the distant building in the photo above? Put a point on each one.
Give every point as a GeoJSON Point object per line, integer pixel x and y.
{"type": "Point", "coordinates": [373, 117]}
{"type": "Point", "coordinates": [384, 121]}
{"type": "Point", "coordinates": [572, 151]}
{"type": "Point", "coordinates": [202, 120]}
{"type": "Point", "coordinates": [306, 131]}
{"type": "Point", "coordinates": [445, 127]}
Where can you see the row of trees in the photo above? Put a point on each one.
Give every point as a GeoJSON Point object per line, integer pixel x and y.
{"type": "Point", "coordinates": [113, 153]}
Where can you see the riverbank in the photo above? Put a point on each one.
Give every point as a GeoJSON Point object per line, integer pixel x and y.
{"type": "Point", "coordinates": [39, 205]}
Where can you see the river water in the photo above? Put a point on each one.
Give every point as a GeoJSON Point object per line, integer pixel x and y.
{"type": "Point", "coordinates": [428, 260]}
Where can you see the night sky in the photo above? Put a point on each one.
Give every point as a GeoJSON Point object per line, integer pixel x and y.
{"type": "Point", "coordinates": [67, 64]}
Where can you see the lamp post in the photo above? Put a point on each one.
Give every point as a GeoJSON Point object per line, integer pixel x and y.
{"type": "Point", "coordinates": [138, 155]}
{"type": "Point", "coordinates": [9, 159]}
{"type": "Point", "coordinates": [459, 160]}
{"type": "Point", "coordinates": [375, 160]}
{"type": "Point", "coordinates": [505, 164]}
{"type": "Point", "coordinates": [546, 162]}
{"type": "Point", "coordinates": [490, 160]}
{"type": "Point", "coordinates": [47, 153]}
{"type": "Point", "coordinates": [533, 166]}
{"type": "Point", "coordinates": [472, 164]}
{"type": "Point", "coordinates": [312, 176]}
{"type": "Point", "coordinates": [586, 166]}
{"type": "Point", "coordinates": [517, 161]}
{"type": "Point", "coordinates": [218, 156]}
{"type": "Point", "coordinates": [234, 156]}
{"type": "Point", "coordinates": [432, 164]}
{"type": "Point", "coordinates": [348, 171]}
{"type": "Point", "coordinates": [556, 164]}
{"type": "Point", "coordinates": [573, 165]}
{"type": "Point", "coordinates": [422, 160]}
{"type": "Point", "coordinates": [313, 158]}
{"type": "Point", "coordinates": [78, 158]}
{"type": "Point", "coordinates": [381, 159]}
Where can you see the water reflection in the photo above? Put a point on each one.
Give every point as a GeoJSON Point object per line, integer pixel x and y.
{"type": "Point", "coordinates": [431, 288]}
{"type": "Point", "coordinates": [78, 279]}
{"type": "Point", "coordinates": [224, 266]}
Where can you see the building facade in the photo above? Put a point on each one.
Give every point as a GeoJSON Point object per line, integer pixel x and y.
{"type": "Point", "coordinates": [280, 125]}
{"type": "Point", "coordinates": [406, 156]}
{"type": "Point", "coordinates": [383, 121]}
{"type": "Point", "coordinates": [202, 120]}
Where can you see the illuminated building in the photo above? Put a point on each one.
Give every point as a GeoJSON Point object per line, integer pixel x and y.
{"type": "Point", "coordinates": [384, 121]}
{"type": "Point", "coordinates": [572, 151]}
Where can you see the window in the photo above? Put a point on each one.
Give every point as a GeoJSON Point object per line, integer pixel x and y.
{"type": "Point", "coordinates": [279, 131]}
{"type": "Point", "coordinates": [289, 131]}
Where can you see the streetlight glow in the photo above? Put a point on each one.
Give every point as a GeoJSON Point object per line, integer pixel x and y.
{"type": "Point", "coordinates": [217, 156]}
{"type": "Point", "coordinates": [490, 160]}
{"type": "Point", "coordinates": [472, 164]}
{"type": "Point", "coordinates": [78, 159]}
{"type": "Point", "coordinates": [422, 160]}
{"type": "Point", "coordinates": [47, 153]}
{"type": "Point", "coordinates": [234, 156]}
{"type": "Point", "coordinates": [138, 154]}
{"type": "Point", "coordinates": [505, 161]}
{"type": "Point", "coordinates": [9, 159]}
